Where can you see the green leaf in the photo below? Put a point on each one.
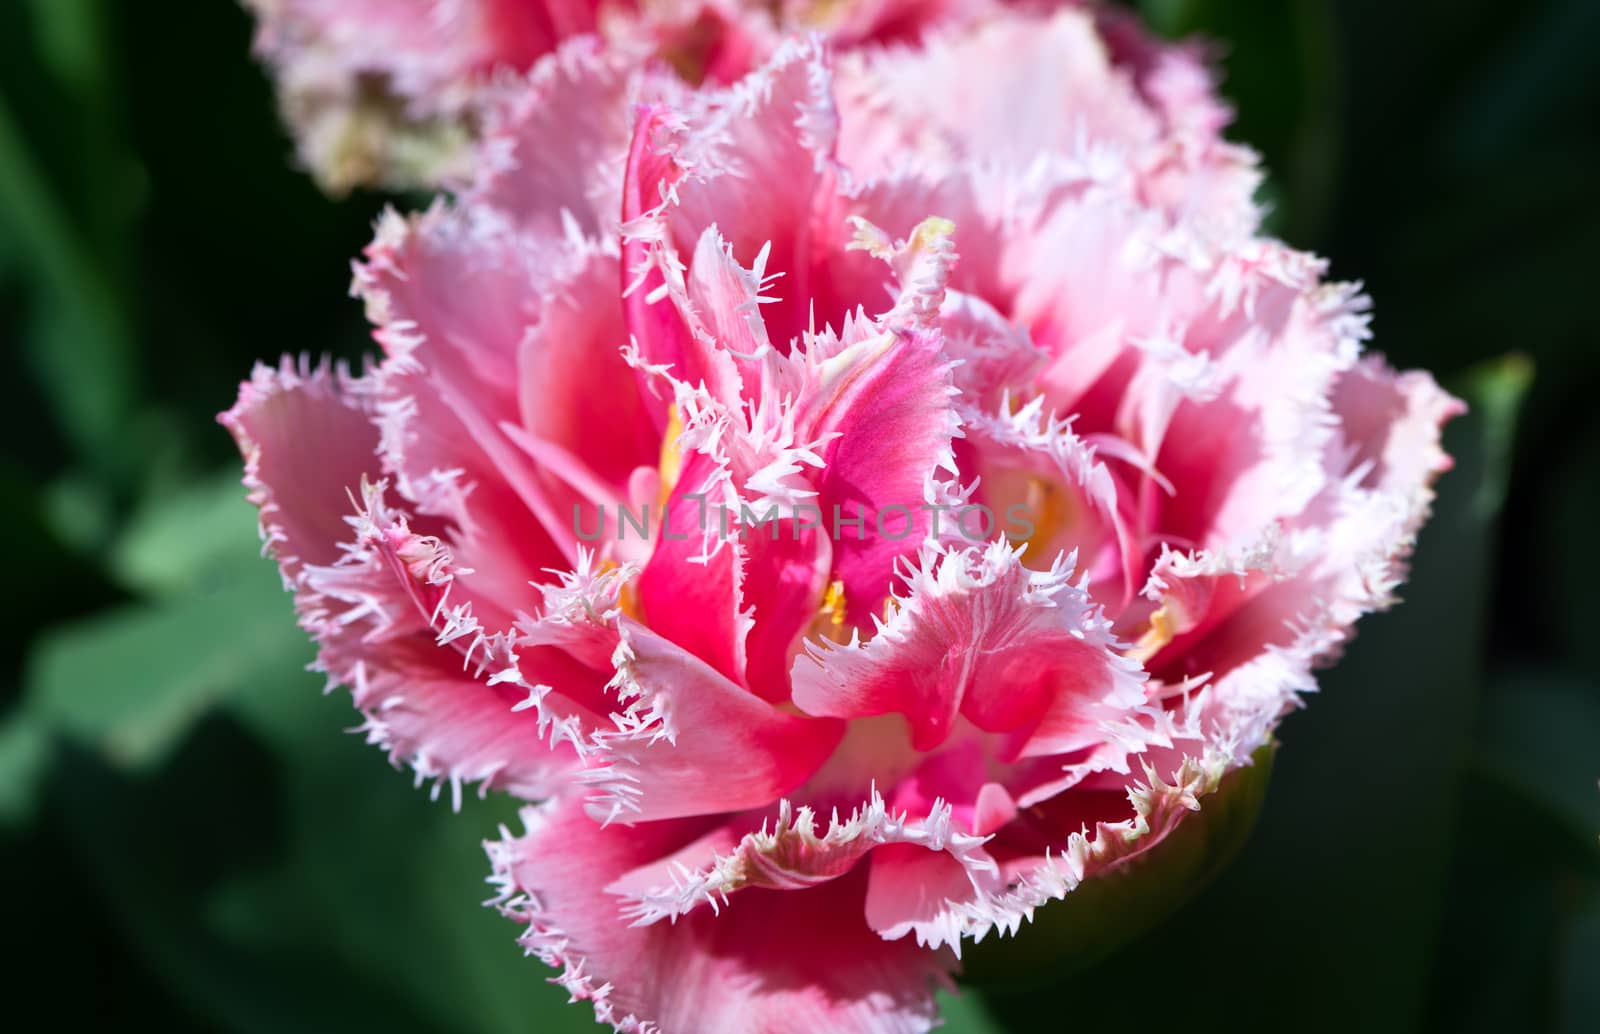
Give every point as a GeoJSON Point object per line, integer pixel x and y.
{"type": "Point", "coordinates": [129, 682]}
{"type": "Point", "coordinates": [78, 345]}
{"type": "Point", "coordinates": [965, 1013]}
{"type": "Point", "coordinates": [71, 41]}
{"type": "Point", "coordinates": [279, 876]}
{"type": "Point", "coordinates": [189, 538]}
{"type": "Point", "coordinates": [24, 754]}
{"type": "Point", "coordinates": [276, 872]}
{"type": "Point", "coordinates": [1497, 389]}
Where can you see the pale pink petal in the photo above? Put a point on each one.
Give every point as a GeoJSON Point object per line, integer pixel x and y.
{"type": "Point", "coordinates": [1076, 88]}
{"type": "Point", "coordinates": [755, 162]}
{"type": "Point", "coordinates": [376, 596]}
{"type": "Point", "coordinates": [453, 295]}
{"type": "Point", "coordinates": [1392, 422]}
{"type": "Point", "coordinates": [1193, 170]}
{"type": "Point", "coordinates": [308, 441]}
{"type": "Point", "coordinates": [553, 145]}
{"type": "Point", "coordinates": [1272, 343]}
{"type": "Point", "coordinates": [1048, 87]}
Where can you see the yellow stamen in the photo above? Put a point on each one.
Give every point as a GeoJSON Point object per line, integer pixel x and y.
{"type": "Point", "coordinates": [821, 14]}
{"type": "Point", "coordinates": [627, 595]}
{"type": "Point", "coordinates": [1163, 627]}
{"type": "Point", "coordinates": [1051, 509]}
{"type": "Point", "coordinates": [929, 232]}
{"type": "Point", "coordinates": [671, 463]}
{"type": "Point", "coordinates": [628, 601]}
{"type": "Point", "coordinates": [833, 605]}
{"type": "Point", "coordinates": [832, 620]}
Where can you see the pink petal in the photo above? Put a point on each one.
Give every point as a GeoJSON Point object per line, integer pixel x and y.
{"type": "Point", "coordinates": [692, 742]}
{"type": "Point", "coordinates": [980, 635]}
{"type": "Point", "coordinates": [792, 852]}
{"type": "Point", "coordinates": [1392, 422]}
{"type": "Point", "coordinates": [1048, 86]}
{"type": "Point", "coordinates": [887, 401]}
{"type": "Point", "coordinates": [1083, 833]}
{"type": "Point", "coordinates": [308, 441]}
{"type": "Point", "coordinates": [686, 595]}
{"type": "Point", "coordinates": [575, 389]}
{"type": "Point", "coordinates": [376, 596]}
{"type": "Point", "coordinates": [551, 156]}
{"type": "Point", "coordinates": [723, 970]}
{"type": "Point", "coordinates": [524, 30]}
{"type": "Point", "coordinates": [755, 162]}
{"type": "Point", "coordinates": [450, 294]}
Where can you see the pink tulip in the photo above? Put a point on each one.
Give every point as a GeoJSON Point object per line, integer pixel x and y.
{"type": "Point", "coordinates": [827, 722]}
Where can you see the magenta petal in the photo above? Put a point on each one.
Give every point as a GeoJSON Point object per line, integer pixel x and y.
{"type": "Point", "coordinates": [885, 407]}
{"type": "Point", "coordinates": [755, 162]}
{"type": "Point", "coordinates": [785, 578]}
{"type": "Point", "coordinates": [689, 589]}
{"type": "Point", "coordinates": [654, 297]}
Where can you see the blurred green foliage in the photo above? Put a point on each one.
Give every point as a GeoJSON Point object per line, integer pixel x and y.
{"type": "Point", "coordinates": [190, 843]}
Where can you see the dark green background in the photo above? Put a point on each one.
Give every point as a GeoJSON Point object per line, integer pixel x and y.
{"type": "Point", "coordinates": [187, 840]}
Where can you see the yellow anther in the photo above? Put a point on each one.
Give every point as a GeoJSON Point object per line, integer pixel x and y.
{"type": "Point", "coordinates": [627, 596]}
{"type": "Point", "coordinates": [1163, 626]}
{"type": "Point", "coordinates": [929, 232]}
{"type": "Point", "coordinates": [833, 604]}
{"type": "Point", "coordinates": [671, 463]}
{"type": "Point", "coordinates": [1051, 510]}
{"type": "Point", "coordinates": [832, 620]}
